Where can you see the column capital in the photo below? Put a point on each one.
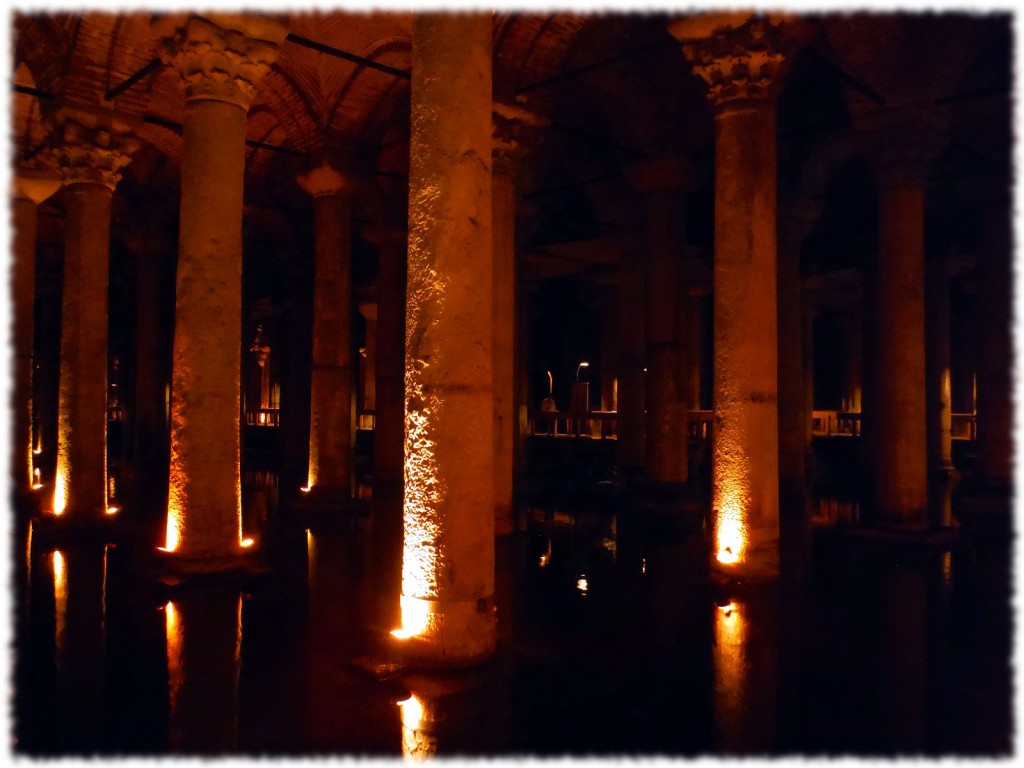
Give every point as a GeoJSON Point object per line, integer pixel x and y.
{"type": "Point", "coordinates": [902, 141]}
{"type": "Point", "coordinates": [515, 132]}
{"type": "Point", "coordinates": [662, 175]}
{"type": "Point", "coordinates": [91, 146]}
{"type": "Point", "coordinates": [325, 180]}
{"type": "Point", "coordinates": [220, 56]}
{"type": "Point", "coordinates": [741, 56]}
{"type": "Point", "coordinates": [35, 182]}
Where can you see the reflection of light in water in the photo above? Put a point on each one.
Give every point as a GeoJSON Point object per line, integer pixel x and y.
{"type": "Point", "coordinates": [947, 567]}
{"type": "Point", "coordinates": [60, 597]}
{"type": "Point", "coordinates": [730, 666]}
{"type": "Point", "coordinates": [581, 584]}
{"type": "Point", "coordinates": [175, 669]}
{"type": "Point", "coordinates": [418, 741]}
{"type": "Point", "coordinates": [643, 565]}
{"type": "Point", "coordinates": [28, 555]}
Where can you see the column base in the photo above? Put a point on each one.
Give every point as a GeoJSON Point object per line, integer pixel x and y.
{"type": "Point", "coordinates": [930, 541]}
{"type": "Point", "coordinates": [452, 634]}
{"type": "Point", "coordinates": [60, 530]}
{"type": "Point", "coordinates": [321, 501]}
{"type": "Point", "coordinates": [176, 569]}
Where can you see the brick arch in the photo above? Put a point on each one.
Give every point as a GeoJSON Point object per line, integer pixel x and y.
{"type": "Point", "coordinates": [390, 46]}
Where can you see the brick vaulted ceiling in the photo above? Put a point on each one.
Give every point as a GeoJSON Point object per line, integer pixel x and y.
{"type": "Point", "coordinates": [616, 89]}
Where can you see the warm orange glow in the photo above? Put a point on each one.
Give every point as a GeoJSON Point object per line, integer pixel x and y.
{"type": "Point", "coordinates": [412, 712]}
{"type": "Point", "coordinates": [732, 678]}
{"type": "Point", "coordinates": [246, 542]}
{"type": "Point", "coordinates": [60, 492]}
{"type": "Point", "coordinates": [415, 617]}
{"type": "Point", "coordinates": [175, 636]}
{"type": "Point", "coordinates": [730, 523]}
{"type": "Point", "coordinates": [306, 488]}
{"type": "Point", "coordinates": [175, 523]}
{"type": "Point", "coordinates": [113, 510]}
{"type": "Point", "coordinates": [581, 584]}
{"type": "Point", "coordinates": [546, 557]}
{"type": "Point", "coordinates": [60, 595]}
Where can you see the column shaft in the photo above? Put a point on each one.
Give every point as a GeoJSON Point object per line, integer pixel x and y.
{"type": "Point", "coordinates": [937, 361]}
{"type": "Point", "coordinates": [791, 376]}
{"type": "Point", "coordinates": [665, 426]}
{"type": "Point", "coordinates": [204, 505]}
{"type": "Point", "coordinates": [81, 483]}
{"type": "Point", "coordinates": [899, 406]}
{"type": "Point", "coordinates": [629, 447]}
{"type": "Point", "coordinates": [746, 449]}
{"type": "Point", "coordinates": [331, 401]}
{"type": "Point", "coordinates": [504, 223]}
{"type": "Point", "coordinates": [388, 439]}
{"type": "Point", "coordinates": [23, 291]}
{"type": "Point", "coordinates": [448, 558]}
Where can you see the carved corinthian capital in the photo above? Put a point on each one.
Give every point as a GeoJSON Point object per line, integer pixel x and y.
{"type": "Point", "coordinates": [91, 146]}
{"type": "Point", "coordinates": [220, 57]}
{"type": "Point", "coordinates": [741, 57]}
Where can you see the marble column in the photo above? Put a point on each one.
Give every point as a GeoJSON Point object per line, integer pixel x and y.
{"type": "Point", "coordinates": [662, 182]}
{"type": "Point", "coordinates": [93, 147]}
{"type": "Point", "coordinates": [29, 188]}
{"type": "Point", "coordinates": [630, 443]}
{"type": "Point", "coordinates": [389, 427]}
{"type": "Point", "coordinates": [900, 144]}
{"type": "Point", "coordinates": [331, 427]}
{"type": "Point", "coordinates": [742, 59]}
{"type": "Point", "coordinates": [448, 615]}
{"type": "Point", "coordinates": [995, 358]}
{"type": "Point", "coordinates": [219, 59]}
{"type": "Point", "coordinates": [512, 127]}
{"type": "Point", "coordinates": [368, 364]}
{"type": "Point", "coordinates": [938, 400]}
{"type": "Point", "coordinates": [795, 222]}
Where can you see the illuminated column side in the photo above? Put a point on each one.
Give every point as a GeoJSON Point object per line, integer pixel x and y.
{"type": "Point", "coordinates": [388, 426]}
{"type": "Point", "coordinates": [900, 144]}
{"type": "Point", "coordinates": [219, 60]}
{"type": "Point", "coordinates": [93, 148]}
{"type": "Point", "coordinates": [30, 187]}
{"type": "Point", "coordinates": [512, 128]}
{"type": "Point", "coordinates": [742, 60]}
{"type": "Point", "coordinates": [331, 428]}
{"type": "Point", "coordinates": [663, 181]}
{"type": "Point", "coordinates": [448, 556]}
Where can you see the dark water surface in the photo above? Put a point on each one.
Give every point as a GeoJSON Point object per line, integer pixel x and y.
{"type": "Point", "coordinates": [611, 642]}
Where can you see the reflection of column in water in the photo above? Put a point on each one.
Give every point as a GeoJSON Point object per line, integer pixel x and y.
{"type": "Point", "coordinates": [745, 674]}
{"type": "Point", "coordinates": [78, 583]}
{"type": "Point", "coordinates": [899, 653]}
{"type": "Point", "coordinates": [204, 644]}
{"type": "Point", "coordinates": [419, 738]}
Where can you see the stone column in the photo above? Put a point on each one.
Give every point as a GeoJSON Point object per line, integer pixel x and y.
{"type": "Point", "coordinates": [665, 422]}
{"type": "Point", "coordinates": [795, 223]}
{"type": "Point", "coordinates": [629, 446]}
{"type": "Point", "coordinates": [29, 188]}
{"type": "Point", "coordinates": [742, 59]}
{"type": "Point", "coordinates": [448, 552]}
{"type": "Point", "coordinates": [900, 145]}
{"type": "Point", "coordinates": [93, 148]}
{"type": "Point", "coordinates": [219, 58]}
{"type": "Point", "coordinates": [939, 397]}
{"type": "Point", "coordinates": [809, 311]}
{"type": "Point", "coordinates": [511, 126]}
{"type": "Point", "coordinates": [331, 428]}
{"type": "Point", "coordinates": [995, 359]}
{"type": "Point", "coordinates": [388, 428]}
{"type": "Point", "coordinates": [368, 366]}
